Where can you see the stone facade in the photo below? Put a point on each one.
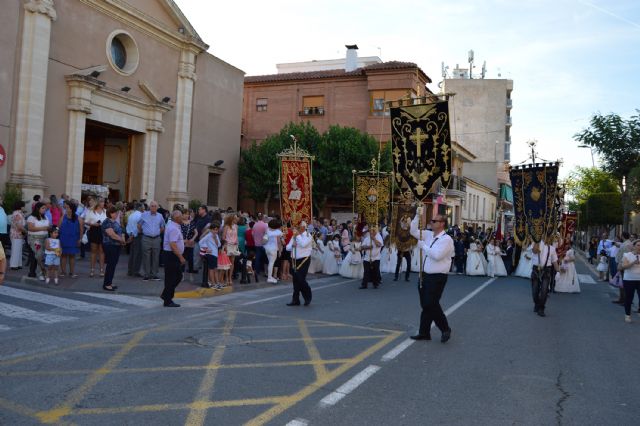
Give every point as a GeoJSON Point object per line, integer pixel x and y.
{"type": "Point", "coordinates": [66, 75]}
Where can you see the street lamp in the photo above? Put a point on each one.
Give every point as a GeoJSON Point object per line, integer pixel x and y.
{"type": "Point", "coordinates": [593, 163]}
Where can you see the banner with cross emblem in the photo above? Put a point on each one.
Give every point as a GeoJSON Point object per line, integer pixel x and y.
{"type": "Point", "coordinates": [421, 146]}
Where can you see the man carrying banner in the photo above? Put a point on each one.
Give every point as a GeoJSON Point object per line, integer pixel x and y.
{"type": "Point", "coordinates": [300, 247]}
{"type": "Point", "coordinates": [372, 243]}
{"type": "Point", "coordinates": [436, 250]}
{"type": "Point", "coordinates": [545, 265]}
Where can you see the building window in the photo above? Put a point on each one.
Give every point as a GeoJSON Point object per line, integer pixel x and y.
{"type": "Point", "coordinates": [213, 190]}
{"type": "Point", "coordinates": [507, 152]}
{"type": "Point", "coordinates": [312, 105]}
{"type": "Point", "coordinates": [261, 104]}
{"type": "Point", "coordinates": [379, 97]}
{"type": "Point", "coordinates": [122, 52]}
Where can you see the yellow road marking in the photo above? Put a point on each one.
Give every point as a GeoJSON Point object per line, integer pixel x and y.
{"type": "Point", "coordinates": [200, 405]}
{"type": "Point", "coordinates": [308, 390]}
{"type": "Point", "coordinates": [325, 323]}
{"type": "Point", "coordinates": [249, 327]}
{"type": "Point", "coordinates": [248, 342]}
{"type": "Point", "coordinates": [198, 408]}
{"type": "Point", "coordinates": [198, 412]}
{"type": "Point", "coordinates": [54, 415]}
{"type": "Point", "coordinates": [176, 368]}
{"type": "Point", "coordinates": [23, 358]}
{"type": "Point", "coordinates": [312, 349]}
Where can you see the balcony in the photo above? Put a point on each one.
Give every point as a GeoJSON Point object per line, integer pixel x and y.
{"type": "Point", "coordinates": [457, 188]}
{"type": "Point", "coordinates": [509, 120]}
{"type": "Point", "coordinates": [311, 111]}
{"type": "Point", "coordinates": [509, 103]}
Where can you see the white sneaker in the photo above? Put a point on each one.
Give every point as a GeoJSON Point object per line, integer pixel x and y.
{"type": "Point", "coordinates": [41, 278]}
{"type": "Point", "coordinates": [55, 280]}
{"type": "Point", "coordinates": [47, 280]}
{"type": "Point", "coordinates": [627, 318]}
{"type": "Point", "coordinates": [272, 280]}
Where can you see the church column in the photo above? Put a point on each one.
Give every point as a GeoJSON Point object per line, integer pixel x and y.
{"type": "Point", "coordinates": [79, 106]}
{"type": "Point", "coordinates": [32, 89]}
{"type": "Point", "coordinates": [182, 140]}
{"type": "Point", "coordinates": [150, 153]}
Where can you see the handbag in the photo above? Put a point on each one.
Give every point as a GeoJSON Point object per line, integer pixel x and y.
{"type": "Point", "coordinates": [232, 250]}
{"type": "Point", "coordinates": [265, 239]}
{"type": "Point", "coordinates": [616, 280]}
{"type": "Point", "coordinates": [85, 238]}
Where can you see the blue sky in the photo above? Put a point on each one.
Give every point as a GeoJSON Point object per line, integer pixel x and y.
{"type": "Point", "coordinates": [567, 58]}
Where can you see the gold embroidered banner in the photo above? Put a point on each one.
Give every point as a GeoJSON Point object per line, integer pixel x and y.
{"type": "Point", "coordinates": [568, 226]}
{"type": "Point", "coordinates": [401, 225]}
{"type": "Point", "coordinates": [535, 190]}
{"type": "Point", "coordinates": [421, 146]}
{"type": "Point", "coordinates": [372, 197]}
{"type": "Point", "coordinates": [295, 186]}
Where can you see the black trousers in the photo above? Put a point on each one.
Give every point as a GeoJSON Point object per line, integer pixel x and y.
{"type": "Point", "coordinates": [300, 284]}
{"type": "Point", "coordinates": [540, 283]}
{"type": "Point", "coordinates": [459, 262]}
{"type": "Point", "coordinates": [172, 275]}
{"type": "Point", "coordinates": [371, 273]}
{"type": "Point", "coordinates": [111, 256]}
{"type": "Point", "coordinates": [403, 255]}
{"type": "Point", "coordinates": [188, 255]}
{"type": "Point", "coordinates": [430, 294]}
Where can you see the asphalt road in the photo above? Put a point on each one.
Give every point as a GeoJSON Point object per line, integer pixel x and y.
{"type": "Point", "coordinates": [345, 360]}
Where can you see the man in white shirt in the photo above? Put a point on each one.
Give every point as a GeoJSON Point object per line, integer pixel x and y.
{"type": "Point", "coordinates": [436, 251]}
{"type": "Point", "coordinates": [372, 247]}
{"type": "Point", "coordinates": [300, 245]}
{"type": "Point", "coordinates": [135, 254]}
{"type": "Point", "coordinates": [545, 265]}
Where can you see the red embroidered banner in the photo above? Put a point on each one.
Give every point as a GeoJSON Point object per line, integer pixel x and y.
{"type": "Point", "coordinates": [295, 196]}
{"type": "Point", "coordinates": [567, 229]}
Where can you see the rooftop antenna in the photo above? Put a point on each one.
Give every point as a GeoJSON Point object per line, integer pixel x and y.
{"type": "Point", "coordinates": [444, 70]}
{"type": "Point", "coordinates": [471, 64]}
{"type": "Point", "coordinates": [484, 69]}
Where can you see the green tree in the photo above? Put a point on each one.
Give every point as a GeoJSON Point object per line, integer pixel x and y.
{"type": "Point", "coordinates": [337, 152]}
{"type": "Point", "coordinates": [585, 181]}
{"type": "Point", "coordinates": [617, 141]}
{"type": "Point", "coordinates": [259, 166]}
{"type": "Point", "coordinates": [342, 150]}
{"type": "Point", "coordinates": [604, 209]}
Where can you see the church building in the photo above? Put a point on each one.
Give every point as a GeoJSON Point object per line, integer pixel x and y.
{"type": "Point", "coordinates": [119, 95]}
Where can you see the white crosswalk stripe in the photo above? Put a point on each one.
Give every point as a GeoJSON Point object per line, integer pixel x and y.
{"type": "Point", "coordinates": [18, 312]}
{"type": "Point", "coordinates": [60, 302]}
{"type": "Point", "coordinates": [127, 300]}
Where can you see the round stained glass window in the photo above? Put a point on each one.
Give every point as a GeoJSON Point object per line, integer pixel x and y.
{"type": "Point", "coordinates": [118, 53]}
{"type": "Point", "coordinates": [122, 52]}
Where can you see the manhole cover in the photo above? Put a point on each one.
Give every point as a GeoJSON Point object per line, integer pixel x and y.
{"type": "Point", "coordinates": [211, 339]}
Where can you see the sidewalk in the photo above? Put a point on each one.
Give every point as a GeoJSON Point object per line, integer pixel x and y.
{"type": "Point", "coordinates": [188, 288]}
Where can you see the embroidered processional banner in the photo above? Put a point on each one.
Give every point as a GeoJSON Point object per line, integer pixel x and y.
{"type": "Point", "coordinates": [401, 225]}
{"type": "Point", "coordinates": [372, 196]}
{"type": "Point", "coordinates": [535, 188]}
{"type": "Point", "coordinates": [295, 187]}
{"type": "Point", "coordinates": [568, 225]}
{"type": "Point", "coordinates": [421, 146]}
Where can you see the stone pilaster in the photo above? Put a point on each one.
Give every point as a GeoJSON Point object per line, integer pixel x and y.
{"type": "Point", "coordinates": [79, 106]}
{"type": "Point", "coordinates": [32, 89]}
{"type": "Point", "coordinates": [150, 153]}
{"type": "Point", "coordinates": [182, 140]}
